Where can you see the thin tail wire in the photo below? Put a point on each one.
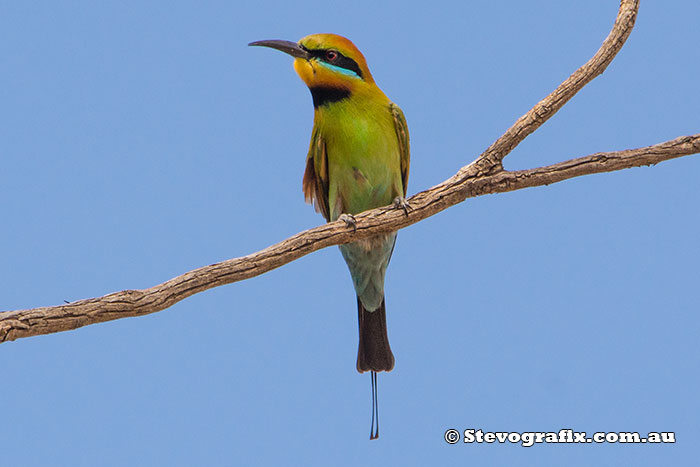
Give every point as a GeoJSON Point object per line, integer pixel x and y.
{"type": "Point", "coordinates": [375, 408]}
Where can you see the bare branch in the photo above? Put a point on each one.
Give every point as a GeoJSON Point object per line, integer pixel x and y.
{"type": "Point", "coordinates": [493, 156]}
{"type": "Point", "coordinates": [483, 176]}
{"type": "Point", "coordinates": [595, 163]}
{"type": "Point", "coordinates": [46, 320]}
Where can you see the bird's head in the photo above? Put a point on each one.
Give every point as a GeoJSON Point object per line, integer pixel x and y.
{"type": "Point", "coordinates": [326, 61]}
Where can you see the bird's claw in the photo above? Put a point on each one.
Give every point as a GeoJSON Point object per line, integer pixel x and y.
{"type": "Point", "coordinates": [349, 220]}
{"type": "Point", "coordinates": [401, 203]}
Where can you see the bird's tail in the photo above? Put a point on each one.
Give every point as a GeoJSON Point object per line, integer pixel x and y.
{"type": "Point", "coordinates": [374, 353]}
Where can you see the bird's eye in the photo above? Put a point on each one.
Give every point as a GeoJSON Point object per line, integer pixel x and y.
{"type": "Point", "coordinates": [331, 55]}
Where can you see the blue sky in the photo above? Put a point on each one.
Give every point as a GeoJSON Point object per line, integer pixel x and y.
{"type": "Point", "coordinates": [140, 140]}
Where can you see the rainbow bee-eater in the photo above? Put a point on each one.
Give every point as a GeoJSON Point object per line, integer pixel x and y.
{"type": "Point", "coordinates": [358, 160]}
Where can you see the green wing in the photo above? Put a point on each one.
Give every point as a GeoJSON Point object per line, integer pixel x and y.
{"type": "Point", "coordinates": [315, 183]}
{"type": "Point", "coordinates": [404, 148]}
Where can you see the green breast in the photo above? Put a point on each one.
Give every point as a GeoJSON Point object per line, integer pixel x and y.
{"type": "Point", "coordinates": [364, 169]}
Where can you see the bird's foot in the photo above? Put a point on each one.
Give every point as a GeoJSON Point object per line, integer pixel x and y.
{"type": "Point", "coordinates": [401, 203]}
{"type": "Point", "coordinates": [349, 220]}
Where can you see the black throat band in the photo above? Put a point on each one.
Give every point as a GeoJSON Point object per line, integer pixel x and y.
{"type": "Point", "coordinates": [323, 95]}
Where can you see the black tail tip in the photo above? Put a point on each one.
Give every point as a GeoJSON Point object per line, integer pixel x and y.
{"type": "Point", "coordinates": [374, 352]}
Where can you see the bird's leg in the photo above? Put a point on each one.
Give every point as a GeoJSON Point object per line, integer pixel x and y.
{"type": "Point", "coordinates": [401, 203]}
{"type": "Point", "coordinates": [349, 220]}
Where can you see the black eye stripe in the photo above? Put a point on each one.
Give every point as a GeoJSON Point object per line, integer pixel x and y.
{"type": "Point", "coordinates": [342, 61]}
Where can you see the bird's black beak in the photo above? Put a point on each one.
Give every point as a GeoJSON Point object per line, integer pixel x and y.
{"type": "Point", "coordinates": [288, 47]}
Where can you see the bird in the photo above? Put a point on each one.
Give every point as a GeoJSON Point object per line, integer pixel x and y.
{"type": "Point", "coordinates": [358, 159]}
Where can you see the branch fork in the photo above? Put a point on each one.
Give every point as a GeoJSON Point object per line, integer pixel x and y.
{"type": "Point", "coordinates": [483, 176]}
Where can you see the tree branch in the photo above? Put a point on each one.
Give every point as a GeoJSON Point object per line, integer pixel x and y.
{"type": "Point", "coordinates": [485, 175]}
{"type": "Point", "coordinates": [493, 156]}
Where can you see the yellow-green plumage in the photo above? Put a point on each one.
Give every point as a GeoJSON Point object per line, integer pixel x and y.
{"type": "Point", "coordinates": [358, 160]}
{"type": "Point", "coordinates": [364, 166]}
